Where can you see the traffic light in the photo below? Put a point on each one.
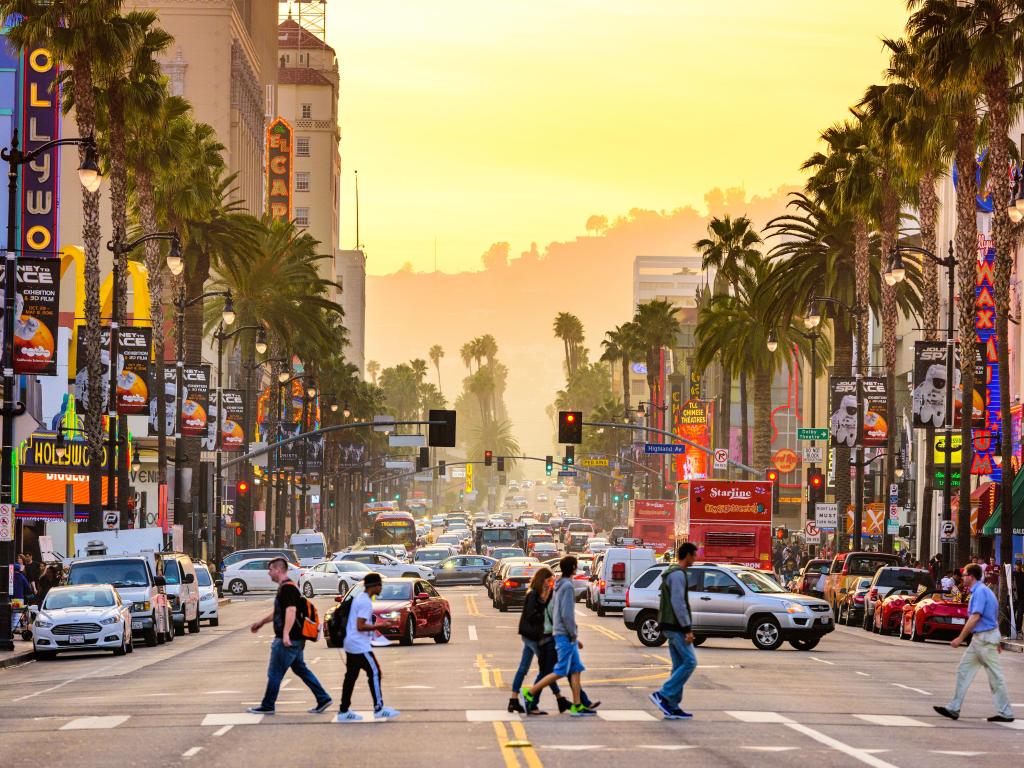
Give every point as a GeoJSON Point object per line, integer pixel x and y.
{"type": "Point", "coordinates": [488, 458]}
{"type": "Point", "coordinates": [501, 463]}
{"type": "Point", "coordinates": [815, 487]}
{"type": "Point", "coordinates": [423, 460]}
{"type": "Point", "coordinates": [241, 488]}
{"type": "Point", "coordinates": [441, 435]}
{"type": "Point", "coordinates": [781, 533]}
{"type": "Point", "coordinates": [239, 530]}
{"type": "Point", "coordinates": [398, 497]}
{"type": "Point", "coordinates": [570, 427]}
{"type": "Point", "coordinates": [549, 464]}
{"type": "Point", "coordinates": [570, 455]}
{"type": "Point", "coordinates": [772, 476]}
{"type": "Point", "coordinates": [616, 498]}
{"type": "Point", "coordinates": [441, 469]}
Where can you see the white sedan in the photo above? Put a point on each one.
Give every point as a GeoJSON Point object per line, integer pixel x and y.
{"type": "Point", "coordinates": [208, 605]}
{"type": "Point", "coordinates": [253, 576]}
{"type": "Point", "coordinates": [333, 577]}
{"type": "Point", "coordinates": [386, 565]}
{"type": "Point", "coordinates": [82, 618]}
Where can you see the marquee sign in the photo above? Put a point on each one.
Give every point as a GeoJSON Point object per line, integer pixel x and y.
{"type": "Point", "coordinates": [279, 170]}
{"type": "Point", "coordinates": [43, 476]}
{"type": "Point", "coordinates": [40, 123]}
{"type": "Point", "coordinates": [986, 440]}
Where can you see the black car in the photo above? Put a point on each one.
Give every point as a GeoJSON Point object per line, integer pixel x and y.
{"type": "Point", "coordinates": [511, 592]}
{"type": "Point", "coordinates": [851, 604]}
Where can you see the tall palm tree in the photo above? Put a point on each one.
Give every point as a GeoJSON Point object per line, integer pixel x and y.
{"type": "Point", "coordinates": [466, 353]}
{"type": "Point", "coordinates": [657, 327]}
{"type": "Point", "coordinates": [83, 36]}
{"type": "Point", "coordinates": [419, 369]}
{"type": "Point", "coordinates": [435, 354]}
{"type": "Point", "coordinates": [373, 368]}
{"type": "Point", "coordinates": [623, 345]}
{"type": "Point", "coordinates": [569, 329]}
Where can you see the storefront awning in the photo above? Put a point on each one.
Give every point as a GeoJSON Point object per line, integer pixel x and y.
{"type": "Point", "coordinates": [993, 527]}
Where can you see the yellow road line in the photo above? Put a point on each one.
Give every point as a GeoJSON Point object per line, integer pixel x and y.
{"type": "Point", "coordinates": [507, 753]}
{"type": "Point", "coordinates": [499, 681]}
{"type": "Point", "coordinates": [529, 753]}
{"type": "Point", "coordinates": [661, 659]}
{"type": "Point", "coordinates": [637, 678]}
{"type": "Point", "coordinates": [605, 631]}
{"type": "Point", "coordinates": [471, 607]}
{"type": "Point", "coordinates": [481, 664]}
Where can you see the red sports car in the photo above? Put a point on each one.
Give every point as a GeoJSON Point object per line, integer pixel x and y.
{"type": "Point", "coordinates": [888, 612]}
{"type": "Point", "coordinates": [933, 614]}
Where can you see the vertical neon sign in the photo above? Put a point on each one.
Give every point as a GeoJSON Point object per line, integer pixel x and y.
{"type": "Point", "coordinates": [986, 440]}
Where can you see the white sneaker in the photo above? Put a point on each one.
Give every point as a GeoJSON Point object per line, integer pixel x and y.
{"type": "Point", "coordinates": [385, 713]}
{"type": "Point", "coordinates": [348, 717]}
{"type": "Point", "coordinates": [379, 641]}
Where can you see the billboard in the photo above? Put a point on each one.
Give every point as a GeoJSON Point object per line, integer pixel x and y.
{"type": "Point", "coordinates": [232, 419]}
{"type": "Point", "coordinates": [279, 170]}
{"type": "Point", "coordinates": [986, 439]}
{"type": "Point", "coordinates": [40, 123]}
{"type": "Point", "coordinates": [694, 421]}
{"type": "Point", "coordinates": [195, 406]}
{"type": "Point", "coordinates": [170, 392]}
{"type": "Point", "coordinates": [929, 395]}
{"type": "Point", "coordinates": [743, 501]}
{"type": "Point", "coordinates": [876, 412]}
{"type": "Point", "coordinates": [133, 369]}
{"type": "Point", "coordinates": [43, 476]}
{"type": "Point", "coordinates": [36, 315]}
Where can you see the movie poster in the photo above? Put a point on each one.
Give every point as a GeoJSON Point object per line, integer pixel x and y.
{"type": "Point", "coordinates": [36, 315]}
{"type": "Point", "coordinates": [844, 423]}
{"type": "Point", "coordinates": [133, 381]}
{"type": "Point", "coordinates": [195, 405]}
{"type": "Point", "coordinates": [170, 393]}
{"type": "Point", "coordinates": [232, 420]}
{"type": "Point", "coordinates": [875, 433]}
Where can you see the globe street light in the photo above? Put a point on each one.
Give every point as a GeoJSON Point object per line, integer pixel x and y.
{"type": "Point", "coordinates": [175, 262]}
{"type": "Point", "coordinates": [773, 341]}
{"type": "Point", "coordinates": [812, 318]}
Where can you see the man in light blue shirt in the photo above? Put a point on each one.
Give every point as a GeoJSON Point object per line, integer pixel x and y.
{"type": "Point", "coordinates": [983, 624]}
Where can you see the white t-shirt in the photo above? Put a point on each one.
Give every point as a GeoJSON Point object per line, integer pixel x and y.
{"type": "Point", "coordinates": [947, 583]}
{"type": "Point", "coordinates": [356, 641]}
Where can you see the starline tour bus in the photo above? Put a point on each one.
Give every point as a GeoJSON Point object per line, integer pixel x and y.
{"type": "Point", "coordinates": [730, 521]}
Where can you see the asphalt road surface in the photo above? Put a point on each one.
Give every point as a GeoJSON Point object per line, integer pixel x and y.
{"type": "Point", "coordinates": [856, 699]}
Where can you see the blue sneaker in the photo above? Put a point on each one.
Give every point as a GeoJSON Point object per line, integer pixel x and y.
{"type": "Point", "coordinates": [678, 714]}
{"type": "Point", "coordinates": [661, 704]}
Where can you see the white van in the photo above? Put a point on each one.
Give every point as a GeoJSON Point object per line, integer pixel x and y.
{"type": "Point", "coordinates": [309, 545]}
{"type": "Point", "coordinates": [614, 573]}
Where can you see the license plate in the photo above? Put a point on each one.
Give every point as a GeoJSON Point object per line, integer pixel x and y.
{"type": "Point", "coordinates": [959, 621]}
{"type": "Point", "coordinates": [77, 639]}
{"type": "Point", "coordinates": [137, 624]}
{"type": "Point", "coordinates": [615, 590]}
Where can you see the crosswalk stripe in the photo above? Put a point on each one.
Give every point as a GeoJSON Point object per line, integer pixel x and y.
{"type": "Point", "coordinates": [770, 749]}
{"type": "Point", "coordinates": [957, 753]}
{"type": "Point", "coordinates": [625, 715]}
{"type": "Point", "coordinates": [750, 716]}
{"type": "Point", "coordinates": [667, 747]}
{"type": "Point", "coordinates": [232, 718]}
{"type": "Point", "coordinates": [491, 716]}
{"type": "Point", "coordinates": [94, 723]}
{"type": "Point", "coordinates": [894, 721]}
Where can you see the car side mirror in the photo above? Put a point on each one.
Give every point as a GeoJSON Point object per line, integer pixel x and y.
{"type": "Point", "coordinates": [190, 578]}
{"type": "Point", "coordinates": [339, 598]}
{"type": "Point", "coordinates": [160, 581]}
{"type": "Point", "coordinates": [422, 596]}
{"type": "Point", "coordinates": [735, 591]}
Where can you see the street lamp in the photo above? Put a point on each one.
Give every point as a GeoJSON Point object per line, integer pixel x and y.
{"type": "Point", "coordinates": [88, 174]}
{"type": "Point", "coordinates": [773, 341]}
{"type": "Point", "coordinates": [812, 318]}
{"type": "Point", "coordinates": [261, 341]}
{"type": "Point", "coordinates": [309, 394]}
{"type": "Point", "coordinates": [334, 407]}
{"type": "Point", "coordinates": [896, 272]}
{"type": "Point", "coordinates": [175, 262]}
{"type": "Point", "coordinates": [136, 463]}
{"type": "Point", "coordinates": [346, 411]}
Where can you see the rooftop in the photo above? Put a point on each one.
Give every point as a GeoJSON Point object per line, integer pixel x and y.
{"type": "Point", "coordinates": [290, 36]}
{"type": "Point", "coordinates": [301, 76]}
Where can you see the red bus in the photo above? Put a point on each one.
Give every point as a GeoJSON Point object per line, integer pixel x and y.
{"type": "Point", "coordinates": [654, 523]}
{"type": "Point", "coordinates": [730, 521]}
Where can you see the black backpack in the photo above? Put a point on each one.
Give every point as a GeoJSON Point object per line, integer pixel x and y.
{"type": "Point", "coordinates": [337, 626]}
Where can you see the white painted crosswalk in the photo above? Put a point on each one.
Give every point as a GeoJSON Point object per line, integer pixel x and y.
{"type": "Point", "coordinates": [95, 723]}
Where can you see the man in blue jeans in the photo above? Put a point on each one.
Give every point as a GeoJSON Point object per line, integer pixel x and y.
{"type": "Point", "coordinates": [286, 650]}
{"type": "Point", "coordinates": [674, 618]}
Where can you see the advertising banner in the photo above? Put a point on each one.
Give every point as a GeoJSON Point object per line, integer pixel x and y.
{"type": "Point", "coordinates": [843, 423]}
{"type": "Point", "coordinates": [657, 509]}
{"type": "Point", "coordinates": [279, 170]}
{"type": "Point", "coordinates": [694, 422]}
{"type": "Point", "coordinates": [40, 123]}
{"type": "Point", "coordinates": [80, 377]}
{"type": "Point", "coordinates": [743, 501]}
{"type": "Point", "coordinates": [876, 412]}
{"type": "Point", "coordinates": [352, 454]}
{"type": "Point", "coordinates": [232, 420]}
{"type": "Point", "coordinates": [195, 406]}
{"type": "Point", "coordinates": [929, 396]}
{"type": "Point", "coordinates": [36, 315]}
{"type": "Point", "coordinates": [133, 380]}
{"type": "Point", "coordinates": [170, 392]}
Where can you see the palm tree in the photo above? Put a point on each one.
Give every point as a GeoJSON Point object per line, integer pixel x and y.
{"type": "Point", "coordinates": [419, 369]}
{"type": "Point", "coordinates": [623, 345]}
{"type": "Point", "coordinates": [657, 327]}
{"type": "Point", "coordinates": [569, 329]}
{"type": "Point", "coordinates": [435, 354]}
{"type": "Point", "coordinates": [466, 353]}
{"type": "Point", "coordinates": [494, 436]}
{"type": "Point", "coordinates": [373, 368]}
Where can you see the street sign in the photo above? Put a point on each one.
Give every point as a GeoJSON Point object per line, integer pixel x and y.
{"type": "Point", "coordinates": [721, 458]}
{"type": "Point", "coordinates": [812, 433]}
{"type": "Point", "coordinates": [110, 519]}
{"type": "Point", "coordinates": [947, 531]}
{"type": "Point", "coordinates": [567, 473]}
{"type": "Point", "coordinates": [812, 534]}
{"type": "Point", "coordinates": [457, 473]}
{"type": "Point", "coordinates": [940, 478]}
{"type": "Point", "coordinates": [594, 462]}
{"type": "Point", "coordinates": [894, 511]}
{"type": "Point", "coordinates": [892, 526]}
{"type": "Point", "coordinates": [813, 454]}
{"type": "Point", "coordinates": [398, 464]}
{"type": "Point", "coordinates": [385, 422]}
{"type": "Point", "coordinates": [664, 448]}
{"type": "Point", "coordinates": [826, 515]}
{"type": "Point", "coordinates": [469, 480]}
{"type": "Point", "coordinates": [406, 441]}
{"type": "Point", "coordinates": [6, 522]}
{"type": "Point", "coordinates": [261, 460]}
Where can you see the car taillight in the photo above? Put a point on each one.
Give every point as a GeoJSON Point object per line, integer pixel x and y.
{"type": "Point", "coordinates": [508, 584]}
{"type": "Point", "coordinates": [627, 597]}
{"type": "Point", "coordinates": [580, 577]}
{"type": "Point", "coordinates": [858, 598]}
{"type": "Point", "coordinates": [601, 585]}
{"type": "Point", "coordinates": [873, 594]}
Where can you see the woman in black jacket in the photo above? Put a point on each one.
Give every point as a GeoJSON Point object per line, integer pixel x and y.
{"type": "Point", "coordinates": [536, 641]}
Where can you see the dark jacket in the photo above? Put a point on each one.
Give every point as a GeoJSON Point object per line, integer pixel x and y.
{"type": "Point", "coordinates": [531, 620]}
{"type": "Point", "coordinates": [674, 607]}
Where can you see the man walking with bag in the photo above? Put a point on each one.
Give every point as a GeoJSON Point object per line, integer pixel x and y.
{"type": "Point", "coordinates": [359, 633]}
{"type": "Point", "coordinates": [984, 650]}
{"type": "Point", "coordinates": [674, 618]}
{"type": "Point", "coordinates": [289, 643]}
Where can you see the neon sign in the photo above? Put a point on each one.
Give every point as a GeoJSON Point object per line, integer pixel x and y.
{"type": "Point", "coordinates": [986, 439]}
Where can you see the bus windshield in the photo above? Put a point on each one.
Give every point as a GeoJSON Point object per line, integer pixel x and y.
{"type": "Point", "coordinates": [395, 528]}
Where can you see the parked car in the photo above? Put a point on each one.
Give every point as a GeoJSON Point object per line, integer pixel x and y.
{"type": "Point", "coordinates": [617, 568]}
{"type": "Point", "coordinates": [82, 618]}
{"type": "Point", "coordinates": [179, 574]}
{"type": "Point", "coordinates": [138, 587]}
{"type": "Point", "coordinates": [810, 574]}
{"type": "Point", "coordinates": [397, 551]}
{"type": "Point", "coordinates": [933, 614]}
{"type": "Point", "coordinates": [510, 589]}
{"type": "Point", "coordinates": [463, 569]}
{"type": "Point", "coordinates": [252, 576]}
{"type": "Point", "coordinates": [249, 554]}
{"type": "Point", "coordinates": [851, 606]}
{"type": "Point", "coordinates": [406, 608]}
{"type": "Point", "coordinates": [386, 565]}
{"type": "Point", "coordinates": [332, 577]}
{"type": "Point", "coordinates": [888, 614]}
{"type": "Point", "coordinates": [731, 601]}
{"type": "Point", "coordinates": [208, 604]}
{"type": "Point", "coordinates": [846, 567]}
{"type": "Point", "coordinates": [889, 579]}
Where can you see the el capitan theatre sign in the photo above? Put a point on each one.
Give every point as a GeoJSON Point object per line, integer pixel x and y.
{"type": "Point", "coordinates": [279, 170]}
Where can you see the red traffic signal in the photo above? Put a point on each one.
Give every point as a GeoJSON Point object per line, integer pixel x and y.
{"type": "Point", "coordinates": [238, 529]}
{"type": "Point", "coordinates": [488, 458]}
{"type": "Point", "coordinates": [771, 475]}
{"type": "Point", "coordinates": [242, 487]}
{"type": "Point", "coordinates": [570, 427]}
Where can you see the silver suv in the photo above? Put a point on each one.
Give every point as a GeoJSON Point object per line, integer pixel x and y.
{"type": "Point", "coordinates": [731, 601]}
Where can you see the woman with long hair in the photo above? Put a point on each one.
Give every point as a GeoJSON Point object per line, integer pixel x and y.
{"type": "Point", "coordinates": [532, 630]}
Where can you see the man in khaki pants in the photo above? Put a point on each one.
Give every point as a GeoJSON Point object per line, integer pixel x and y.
{"type": "Point", "coordinates": [983, 624]}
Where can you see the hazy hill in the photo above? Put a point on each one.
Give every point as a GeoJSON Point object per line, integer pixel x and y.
{"type": "Point", "coordinates": [515, 298]}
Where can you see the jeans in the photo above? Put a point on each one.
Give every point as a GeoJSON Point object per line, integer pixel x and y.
{"type": "Point", "coordinates": [532, 648]}
{"type": "Point", "coordinates": [684, 661]}
{"type": "Point", "coordinates": [982, 652]}
{"type": "Point", "coordinates": [282, 659]}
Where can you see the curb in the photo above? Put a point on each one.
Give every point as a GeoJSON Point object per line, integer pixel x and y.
{"type": "Point", "coordinates": [223, 600]}
{"type": "Point", "coordinates": [16, 659]}
{"type": "Point", "coordinates": [1014, 646]}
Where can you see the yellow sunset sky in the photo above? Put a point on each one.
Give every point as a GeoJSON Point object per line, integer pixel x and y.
{"type": "Point", "coordinates": [476, 121]}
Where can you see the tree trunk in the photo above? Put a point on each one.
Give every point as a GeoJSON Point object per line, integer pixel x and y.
{"type": "Point", "coordinates": [196, 276]}
{"type": "Point", "coordinates": [889, 238]}
{"type": "Point", "coordinates": [744, 421]}
{"type": "Point", "coordinates": [762, 418]}
{"type": "Point", "coordinates": [843, 361]}
{"type": "Point", "coordinates": [966, 259]}
{"type": "Point", "coordinates": [862, 279]}
{"type": "Point", "coordinates": [625, 384]}
{"type": "Point", "coordinates": [118, 216]}
{"type": "Point", "coordinates": [928, 218]}
{"type": "Point", "coordinates": [725, 397]}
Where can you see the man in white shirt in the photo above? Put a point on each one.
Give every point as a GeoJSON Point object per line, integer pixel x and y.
{"type": "Point", "coordinates": [359, 635]}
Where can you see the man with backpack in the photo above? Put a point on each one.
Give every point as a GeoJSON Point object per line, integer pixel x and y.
{"type": "Point", "coordinates": [358, 638]}
{"type": "Point", "coordinates": [674, 618]}
{"type": "Point", "coordinates": [289, 617]}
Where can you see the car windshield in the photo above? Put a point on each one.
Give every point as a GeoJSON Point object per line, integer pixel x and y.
{"type": "Point", "coordinates": [314, 549]}
{"type": "Point", "coordinates": [430, 555]}
{"type": "Point", "coordinates": [901, 578]}
{"type": "Point", "coordinates": [172, 572]}
{"type": "Point", "coordinates": [507, 552]}
{"type": "Point", "coordinates": [396, 591]}
{"type": "Point", "coordinates": [119, 573]}
{"type": "Point", "coordinates": [203, 577]}
{"type": "Point", "coordinates": [756, 581]}
{"type": "Point", "coordinates": [78, 598]}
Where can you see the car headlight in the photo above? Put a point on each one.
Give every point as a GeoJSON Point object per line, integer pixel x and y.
{"type": "Point", "coordinates": [110, 620]}
{"type": "Point", "coordinates": [793, 607]}
{"type": "Point", "coordinates": [43, 623]}
{"type": "Point", "coordinates": [207, 597]}
{"type": "Point", "coordinates": [141, 606]}
{"type": "Point", "coordinates": [391, 614]}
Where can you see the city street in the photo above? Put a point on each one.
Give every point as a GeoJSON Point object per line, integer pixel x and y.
{"type": "Point", "coordinates": [857, 699]}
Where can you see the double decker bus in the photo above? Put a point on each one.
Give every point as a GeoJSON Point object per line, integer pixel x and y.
{"type": "Point", "coordinates": [394, 527]}
{"type": "Point", "coordinates": [730, 521]}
